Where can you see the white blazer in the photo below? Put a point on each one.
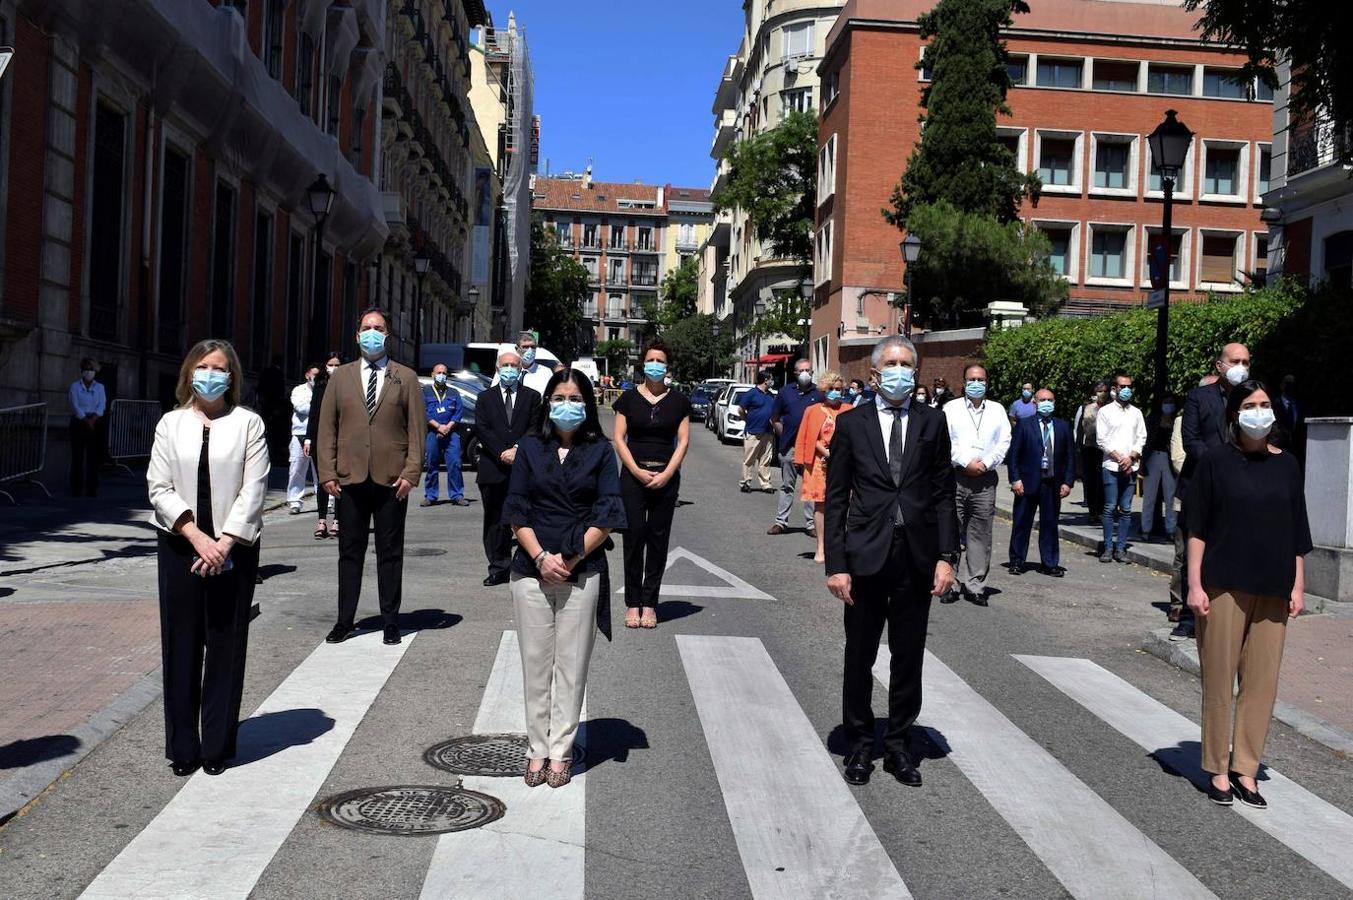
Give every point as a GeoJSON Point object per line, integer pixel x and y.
{"type": "Point", "coordinates": [239, 471]}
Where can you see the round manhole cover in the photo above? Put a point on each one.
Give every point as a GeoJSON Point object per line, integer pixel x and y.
{"type": "Point", "coordinates": [411, 810]}
{"type": "Point", "coordinates": [495, 755]}
{"type": "Point", "coordinates": [424, 551]}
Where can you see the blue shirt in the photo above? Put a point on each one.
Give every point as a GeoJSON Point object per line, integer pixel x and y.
{"type": "Point", "coordinates": [756, 406]}
{"type": "Point", "coordinates": [790, 404]}
{"type": "Point", "coordinates": [446, 410]}
{"type": "Point", "coordinates": [1023, 409]}
{"type": "Point", "coordinates": [87, 399]}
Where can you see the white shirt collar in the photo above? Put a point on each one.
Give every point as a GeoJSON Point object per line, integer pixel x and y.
{"type": "Point", "coordinates": [376, 363]}
{"type": "Point", "coordinates": [884, 406]}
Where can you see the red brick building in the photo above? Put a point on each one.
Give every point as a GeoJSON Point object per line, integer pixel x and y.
{"type": "Point", "coordinates": [1093, 78]}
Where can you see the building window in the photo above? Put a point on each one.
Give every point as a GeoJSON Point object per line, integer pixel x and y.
{"type": "Point", "coordinates": [617, 273]}
{"type": "Point", "coordinates": [1224, 83]}
{"type": "Point", "coordinates": [1183, 182]}
{"type": "Point", "coordinates": [1263, 90]}
{"type": "Point", "coordinates": [1060, 73]}
{"type": "Point", "coordinates": [612, 334]}
{"type": "Point", "coordinates": [174, 199]}
{"type": "Point", "coordinates": [356, 138]}
{"type": "Point", "coordinates": [261, 320]}
{"type": "Point", "coordinates": [615, 306]}
{"type": "Point", "coordinates": [296, 257]}
{"type": "Point", "coordinates": [1265, 167]}
{"type": "Point", "coordinates": [927, 73]}
{"type": "Point", "coordinates": [223, 260]}
{"type": "Point", "coordinates": [1112, 164]}
{"type": "Point", "coordinates": [274, 33]}
{"type": "Point", "coordinates": [590, 238]}
{"type": "Point", "coordinates": [830, 88]}
{"type": "Point", "coordinates": [1108, 253]}
{"type": "Point", "coordinates": [349, 311]}
{"type": "Point", "coordinates": [106, 225]}
{"type": "Point", "coordinates": [305, 73]}
{"type": "Point", "coordinates": [1018, 68]}
{"type": "Point", "coordinates": [617, 241]}
{"type": "Point", "coordinates": [798, 40]}
{"type": "Point", "coordinates": [1259, 273]}
{"type": "Point", "coordinates": [1218, 265]}
{"type": "Point", "coordinates": [333, 109]}
{"type": "Point", "coordinates": [1169, 80]}
{"type": "Point", "coordinates": [823, 267]}
{"type": "Point", "coordinates": [826, 169]}
{"type": "Point", "coordinates": [564, 231]}
{"type": "Point", "coordinates": [1016, 141]}
{"type": "Point", "coordinates": [1115, 75]}
{"type": "Point", "coordinates": [645, 241]}
{"type": "Point", "coordinates": [1062, 255]}
{"type": "Point", "coordinates": [645, 274]}
{"type": "Point", "coordinates": [590, 306]}
{"type": "Point", "coordinates": [1178, 257]}
{"type": "Point", "coordinates": [1221, 173]}
{"type": "Point", "coordinates": [1057, 161]}
{"type": "Point", "coordinates": [800, 100]}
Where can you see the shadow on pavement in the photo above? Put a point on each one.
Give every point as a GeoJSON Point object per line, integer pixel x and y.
{"type": "Point", "coordinates": [271, 569]}
{"type": "Point", "coordinates": [262, 736]}
{"type": "Point", "coordinates": [1185, 760]}
{"type": "Point", "coordinates": [419, 620]}
{"type": "Point", "coordinates": [669, 610]}
{"type": "Point", "coordinates": [923, 742]}
{"type": "Point", "coordinates": [611, 740]}
{"type": "Point", "coordinates": [27, 751]}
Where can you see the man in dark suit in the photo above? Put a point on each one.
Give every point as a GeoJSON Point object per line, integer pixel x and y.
{"type": "Point", "coordinates": [891, 544]}
{"type": "Point", "coordinates": [503, 414]}
{"type": "Point", "coordinates": [370, 451]}
{"type": "Point", "coordinates": [1042, 473]}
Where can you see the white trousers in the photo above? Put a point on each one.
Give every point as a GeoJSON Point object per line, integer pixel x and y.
{"type": "Point", "coordinates": [299, 466]}
{"type": "Point", "coordinates": [556, 628]}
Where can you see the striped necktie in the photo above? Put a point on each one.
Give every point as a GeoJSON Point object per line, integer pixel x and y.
{"type": "Point", "coordinates": [371, 392]}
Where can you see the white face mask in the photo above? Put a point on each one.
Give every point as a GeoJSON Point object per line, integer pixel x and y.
{"type": "Point", "coordinates": [1257, 422]}
{"type": "Point", "coordinates": [1237, 374]}
{"type": "Point", "coordinates": [330, 369]}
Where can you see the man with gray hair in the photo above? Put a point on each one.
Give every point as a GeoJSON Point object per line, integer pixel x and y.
{"type": "Point", "coordinates": [503, 414]}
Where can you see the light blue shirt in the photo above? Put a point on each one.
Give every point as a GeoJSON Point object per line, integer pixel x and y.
{"type": "Point", "coordinates": [87, 398]}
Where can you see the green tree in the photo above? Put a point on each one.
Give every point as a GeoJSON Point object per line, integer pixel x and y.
{"type": "Point", "coordinates": [617, 354]}
{"type": "Point", "coordinates": [696, 353]}
{"type": "Point", "coordinates": [773, 179]}
{"type": "Point", "coordinates": [555, 294]}
{"type": "Point", "coordinates": [959, 159]}
{"type": "Point", "coordinates": [674, 302]}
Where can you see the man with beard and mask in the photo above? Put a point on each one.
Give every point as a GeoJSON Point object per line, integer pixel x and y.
{"type": "Point", "coordinates": [785, 416]}
{"type": "Point", "coordinates": [891, 545]}
{"type": "Point", "coordinates": [370, 452]}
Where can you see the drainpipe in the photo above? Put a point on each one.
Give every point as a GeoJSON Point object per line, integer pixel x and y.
{"type": "Point", "coordinates": [143, 300]}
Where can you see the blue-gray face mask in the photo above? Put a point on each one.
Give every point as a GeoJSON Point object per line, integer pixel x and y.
{"type": "Point", "coordinates": [567, 415]}
{"type": "Point", "coordinates": [210, 384]}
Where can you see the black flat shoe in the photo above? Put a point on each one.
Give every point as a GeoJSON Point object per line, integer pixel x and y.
{"type": "Point", "coordinates": [183, 770]}
{"type": "Point", "coordinates": [340, 634]}
{"type": "Point", "coordinates": [950, 596]}
{"type": "Point", "coordinates": [858, 767]}
{"type": "Point", "coordinates": [495, 580]}
{"type": "Point", "coordinates": [1017, 568]}
{"type": "Point", "coordinates": [899, 765]}
{"type": "Point", "coordinates": [1054, 571]}
{"type": "Point", "coordinates": [1217, 795]}
{"type": "Point", "coordinates": [213, 768]}
{"type": "Point", "coordinates": [392, 634]}
{"type": "Point", "coordinates": [1245, 795]}
{"type": "Point", "coordinates": [977, 599]}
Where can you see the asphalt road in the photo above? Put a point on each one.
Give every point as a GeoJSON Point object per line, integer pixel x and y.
{"type": "Point", "coordinates": [710, 764]}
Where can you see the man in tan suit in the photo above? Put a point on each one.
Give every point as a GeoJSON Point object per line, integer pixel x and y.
{"type": "Point", "coordinates": [369, 451]}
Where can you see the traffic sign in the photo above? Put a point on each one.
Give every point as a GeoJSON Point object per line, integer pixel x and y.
{"type": "Point", "coordinates": [1156, 299]}
{"type": "Point", "coordinates": [1158, 259]}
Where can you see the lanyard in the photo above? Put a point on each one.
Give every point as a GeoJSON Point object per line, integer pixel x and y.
{"type": "Point", "coordinates": [976, 420]}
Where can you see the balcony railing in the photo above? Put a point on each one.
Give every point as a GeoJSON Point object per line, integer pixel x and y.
{"type": "Point", "coordinates": [687, 244]}
{"type": "Point", "coordinates": [1316, 144]}
{"type": "Point", "coordinates": [645, 247]}
{"type": "Point", "coordinates": [618, 247]}
{"type": "Point", "coordinates": [591, 242]}
{"type": "Point", "coordinates": [616, 279]}
{"type": "Point", "coordinates": [644, 279]}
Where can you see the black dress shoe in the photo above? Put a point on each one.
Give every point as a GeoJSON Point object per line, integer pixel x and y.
{"type": "Point", "coordinates": [183, 770]}
{"type": "Point", "coordinates": [495, 580]}
{"type": "Point", "coordinates": [340, 634]}
{"type": "Point", "coordinates": [899, 765]}
{"type": "Point", "coordinates": [392, 634]}
{"type": "Point", "coordinates": [1017, 568]}
{"type": "Point", "coordinates": [858, 767]}
{"type": "Point", "coordinates": [950, 596]}
{"type": "Point", "coordinates": [1054, 571]}
{"type": "Point", "coordinates": [1245, 795]}
{"type": "Point", "coordinates": [1217, 795]}
{"type": "Point", "coordinates": [975, 598]}
{"type": "Point", "coordinates": [213, 768]}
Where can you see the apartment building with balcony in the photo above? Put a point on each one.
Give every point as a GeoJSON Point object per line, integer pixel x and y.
{"type": "Point", "coordinates": [690, 219]}
{"type": "Point", "coordinates": [774, 71]}
{"type": "Point", "coordinates": [154, 161]}
{"type": "Point", "coordinates": [1092, 79]}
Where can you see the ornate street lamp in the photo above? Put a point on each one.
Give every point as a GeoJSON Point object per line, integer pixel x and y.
{"type": "Point", "coordinates": [714, 357]}
{"type": "Point", "coordinates": [1169, 144]}
{"type": "Point", "coordinates": [473, 294]}
{"type": "Point", "coordinates": [320, 198]}
{"type": "Point", "coordinates": [911, 251]}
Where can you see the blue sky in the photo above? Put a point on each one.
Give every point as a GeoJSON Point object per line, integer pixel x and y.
{"type": "Point", "coordinates": [628, 83]}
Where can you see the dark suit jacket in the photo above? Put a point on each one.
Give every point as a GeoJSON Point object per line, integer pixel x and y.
{"type": "Point", "coordinates": [497, 434]}
{"type": "Point", "coordinates": [862, 498]}
{"type": "Point", "coordinates": [383, 447]}
{"type": "Point", "coordinates": [1203, 427]}
{"type": "Point", "coordinates": [1024, 460]}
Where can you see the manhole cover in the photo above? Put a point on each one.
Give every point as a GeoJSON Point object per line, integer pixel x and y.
{"type": "Point", "coordinates": [424, 551]}
{"type": "Point", "coordinates": [495, 755]}
{"type": "Point", "coordinates": [411, 810]}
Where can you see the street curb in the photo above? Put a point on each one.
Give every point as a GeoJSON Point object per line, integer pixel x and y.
{"type": "Point", "coordinates": [1184, 655]}
{"type": "Point", "coordinates": [1134, 555]}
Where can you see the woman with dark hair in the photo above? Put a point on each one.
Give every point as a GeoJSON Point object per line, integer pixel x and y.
{"type": "Point", "coordinates": [563, 501]}
{"type": "Point", "coordinates": [327, 506]}
{"type": "Point", "coordinates": [1248, 536]}
{"type": "Point", "coordinates": [652, 434]}
{"type": "Point", "coordinates": [208, 476]}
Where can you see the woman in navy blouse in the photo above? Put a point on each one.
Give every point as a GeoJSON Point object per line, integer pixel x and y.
{"type": "Point", "coordinates": [563, 501]}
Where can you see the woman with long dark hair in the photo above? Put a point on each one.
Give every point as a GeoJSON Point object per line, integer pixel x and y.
{"type": "Point", "coordinates": [1248, 536]}
{"type": "Point", "coordinates": [327, 506]}
{"type": "Point", "coordinates": [563, 501]}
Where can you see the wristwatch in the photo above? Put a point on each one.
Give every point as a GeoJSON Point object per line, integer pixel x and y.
{"type": "Point", "coordinates": [539, 556]}
{"type": "Point", "coordinates": [950, 558]}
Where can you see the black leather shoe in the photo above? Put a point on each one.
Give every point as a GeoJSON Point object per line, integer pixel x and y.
{"type": "Point", "coordinates": [1017, 568]}
{"type": "Point", "coordinates": [975, 598]}
{"type": "Point", "coordinates": [392, 634]}
{"type": "Point", "coordinates": [495, 580]}
{"type": "Point", "coordinates": [213, 768]}
{"type": "Point", "coordinates": [858, 767]}
{"type": "Point", "coordinates": [1054, 571]}
{"type": "Point", "coordinates": [1217, 795]}
{"type": "Point", "coordinates": [340, 634]}
{"type": "Point", "coordinates": [899, 765]}
{"type": "Point", "coordinates": [744, 489]}
{"type": "Point", "coordinates": [950, 596]}
{"type": "Point", "coordinates": [183, 770]}
{"type": "Point", "coordinates": [1245, 795]}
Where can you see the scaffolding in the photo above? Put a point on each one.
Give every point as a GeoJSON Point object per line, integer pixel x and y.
{"type": "Point", "coordinates": [506, 53]}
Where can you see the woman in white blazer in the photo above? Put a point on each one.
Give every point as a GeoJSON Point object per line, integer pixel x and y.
{"type": "Point", "coordinates": [208, 477]}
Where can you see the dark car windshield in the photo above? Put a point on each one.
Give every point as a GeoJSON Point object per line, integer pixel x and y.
{"type": "Point", "coordinates": [699, 395]}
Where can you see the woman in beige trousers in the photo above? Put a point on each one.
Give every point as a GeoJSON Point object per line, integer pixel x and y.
{"type": "Point", "coordinates": [1248, 536]}
{"type": "Point", "coordinates": [563, 501]}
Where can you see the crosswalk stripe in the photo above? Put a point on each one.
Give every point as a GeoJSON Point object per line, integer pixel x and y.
{"type": "Point", "coordinates": [798, 828]}
{"type": "Point", "coordinates": [544, 826]}
{"type": "Point", "coordinates": [218, 834]}
{"type": "Point", "coordinates": [1086, 844]}
{"type": "Point", "coordinates": [1315, 829]}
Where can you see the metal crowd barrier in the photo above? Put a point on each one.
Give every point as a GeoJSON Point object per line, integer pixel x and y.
{"type": "Point", "coordinates": [131, 430]}
{"type": "Point", "coordinates": [23, 445]}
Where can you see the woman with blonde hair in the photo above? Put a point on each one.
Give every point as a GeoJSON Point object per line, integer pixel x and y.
{"type": "Point", "coordinates": [813, 446]}
{"type": "Point", "coordinates": [208, 476]}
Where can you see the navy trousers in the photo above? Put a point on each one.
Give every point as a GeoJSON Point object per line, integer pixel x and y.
{"type": "Point", "coordinates": [1045, 499]}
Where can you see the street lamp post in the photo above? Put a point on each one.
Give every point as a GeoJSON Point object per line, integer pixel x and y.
{"type": "Point", "coordinates": [320, 197]}
{"type": "Point", "coordinates": [421, 261]}
{"type": "Point", "coordinates": [714, 357]}
{"type": "Point", "coordinates": [1169, 144]}
{"type": "Point", "coordinates": [911, 251]}
{"type": "Point", "coordinates": [473, 294]}
{"type": "Point", "coordinates": [758, 310]}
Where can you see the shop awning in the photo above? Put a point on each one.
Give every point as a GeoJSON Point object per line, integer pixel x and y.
{"type": "Point", "coordinates": [769, 359]}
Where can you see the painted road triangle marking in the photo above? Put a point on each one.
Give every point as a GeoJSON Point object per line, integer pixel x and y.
{"type": "Point", "coordinates": [733, 587]}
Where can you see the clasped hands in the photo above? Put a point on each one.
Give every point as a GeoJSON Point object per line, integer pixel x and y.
{"type": "Point", "coordinates": [212, 554]}
{"type": "Point", "coordinates": [840, 584]}
{"type": "Point", "coordinates": [554, 569]}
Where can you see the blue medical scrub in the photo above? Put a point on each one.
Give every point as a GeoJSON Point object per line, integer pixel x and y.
{"type": "Point", "coordinates": [443, 406]}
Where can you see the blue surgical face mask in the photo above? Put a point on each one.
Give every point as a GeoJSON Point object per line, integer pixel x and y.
{"type": "Point", "coordinates": [371, 341]}
{"type": "Point", "coordinates": [851, 394]}
{"type": "Point", "coordinates": [1045, 407]}
{"type": "Point", "coordinates": [1026, 394]}
{"type": "Point", "coordinates": [896, 383]}
{"type": "Point", "coordinates": [834, 396]}
{"type": "Point", "coordinates": [655, 371]}
{"type": "Point", "coordinates": [509, 375]}
{"type": "Point", "coordinates": [528, 357]}
{"type": "Point", "coordinates": [1125, 394]}
{"type": "Point", "coordinates": [975, 389]}
{"type": "Point", "coordinates": [209, 384]}
{"type": "Point", "coordinates": [567, 415]}
{"type": "Point", "coordinates": [440, 378]}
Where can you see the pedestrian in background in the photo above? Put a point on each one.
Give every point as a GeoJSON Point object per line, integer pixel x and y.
{"type": "Point", "coordinates": [299, 464]}
{"type": "Point", "coordinates": [326, 507]}
{"type": "Point", "coordinates": [922, 395]}
{"type": "Point", "coordinates": [370, 454]}
{"type": "Point", "coordinates": [813, 447]}
{"type": "Point", "coordinates": [1120, 432]}
{"type": "Point", "coordinates": [785, 417]}
{"type": "Point", "coordinates": [208, 477]}
{"type": "Point", "coordinates": [534, 375]}
{"type": "Point", "coordinates": [1092, 458]}
{"type": "Point", "coordinates": [1042, 468]}
{"type": "Point", "coordinates": [941, 394]}
{"type": "Point", "coordinates": [859, 393]}
{"type": "Point", "coordinates": [562, 503]}
{"type": "Point", "coordinates": [1291, 418]}
{"type": "Point", "coordinates": [758, 440]}
{"type": "Point", "coordinates": [444, 412]}
{"type": "Point", "coordinates": [1248, 538]}
{"type": "Point", "coordinates": [652, 433]}
{"type": "Point", "coordinates": [979, 438]}
{"type": "Point", "coordinates": [504, 413]}
{"type": "Point", "coordinates": [88, 404]}
{"type": "Point", "coordinates": [1024, 407]}
{"type": "Point", "coordinates": [1160, 478]}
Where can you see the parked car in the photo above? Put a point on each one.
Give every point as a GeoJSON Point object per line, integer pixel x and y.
{"type": "Point", "coordinates": [711, 413]}
{"type": "Point", "coordinates": [728, 427]}
{"type": "Point", "coordinates": [700, 399]}
{"type": "Point", "coordinates": [469, 390]}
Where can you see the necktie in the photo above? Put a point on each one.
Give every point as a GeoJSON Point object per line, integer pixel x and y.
{"type": "Point", "coordinates": [1047, 441]}
{"type": "Point", "coordinates": [895, 455]}
{"type": "Point", "coordinates": [507, 402]}
{"type": "Point", "coordinates": [371, 393]}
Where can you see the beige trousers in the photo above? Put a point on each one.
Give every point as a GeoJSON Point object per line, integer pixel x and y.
{"type": "Point", "coordinates": [556, 627]}
{"type": "Point", "coordinates": [1240, 639]}
{"type": "Point", "coordinates": [756, 457]}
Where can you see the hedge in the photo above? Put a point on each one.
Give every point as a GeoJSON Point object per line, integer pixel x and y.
{"type": "Point", "coordinates": [1288, 328]}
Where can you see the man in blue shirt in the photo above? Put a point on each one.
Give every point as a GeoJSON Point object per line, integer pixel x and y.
{"type": "Point", "coordinates": [1024, 407]}
{"type": "Point", "coordinates": [785, 417]}
{"type": "Point", "coordinates": [754, 407]}
{"type": "Point", "coordinates": [88, 402]}
{"type": "Point", "coordinates": [444, 410]}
